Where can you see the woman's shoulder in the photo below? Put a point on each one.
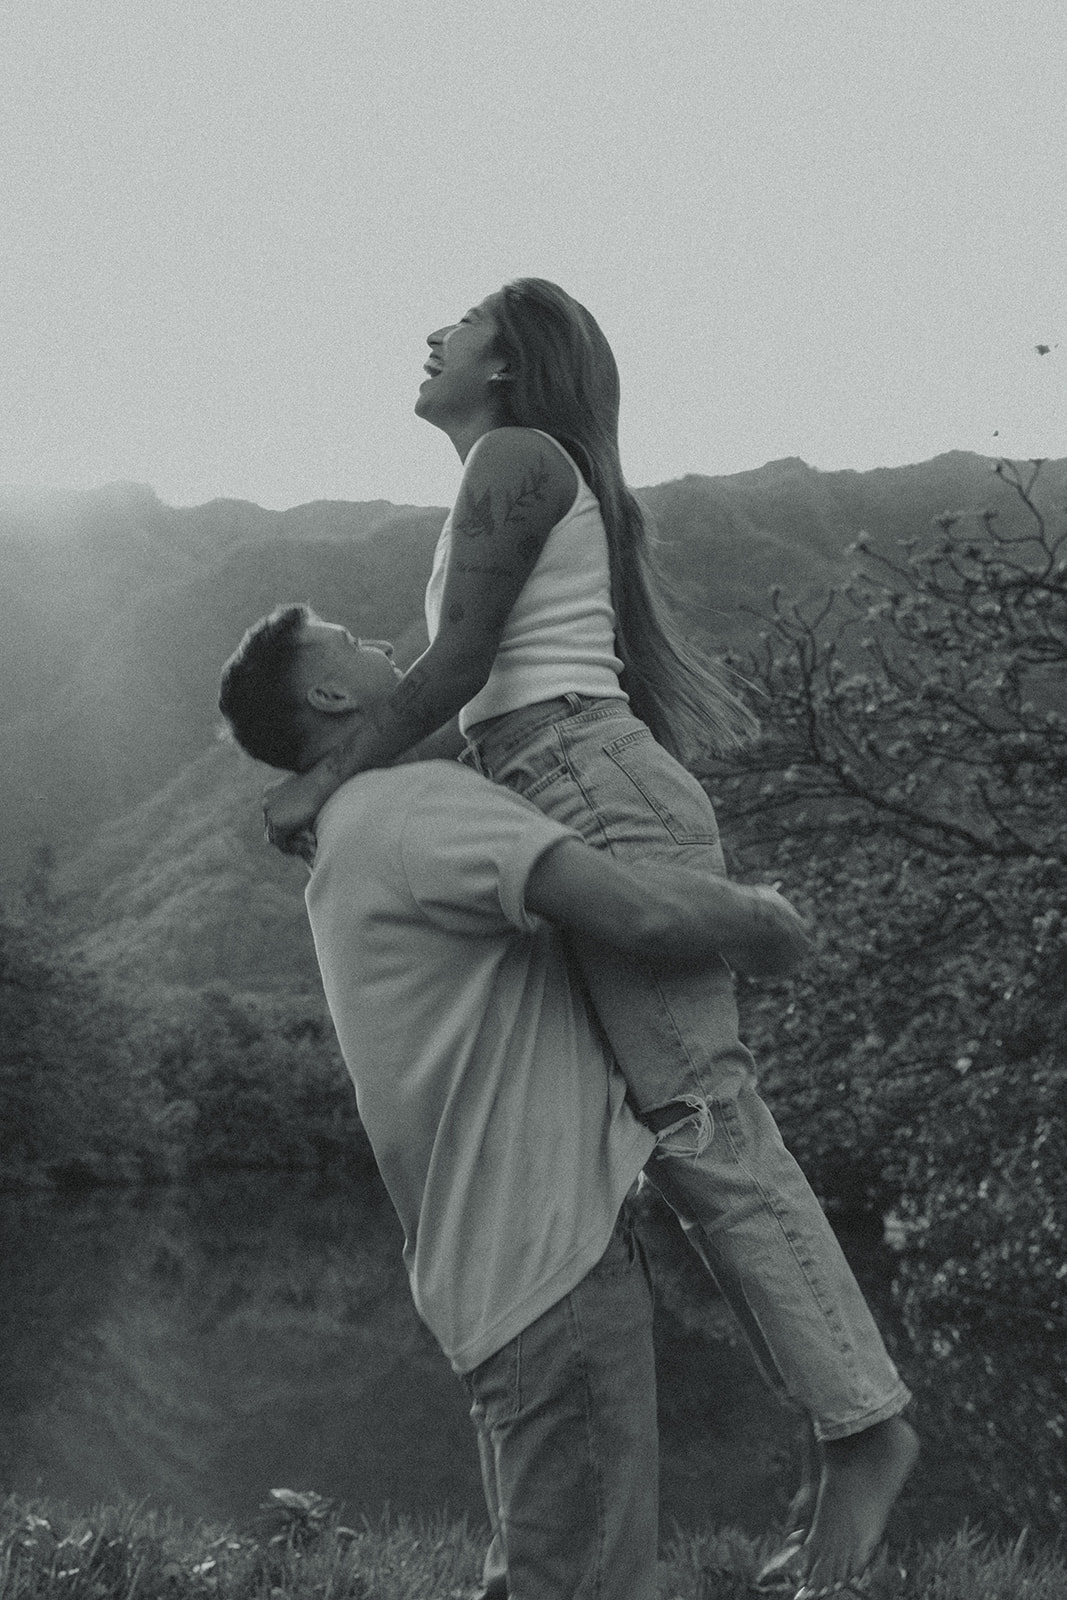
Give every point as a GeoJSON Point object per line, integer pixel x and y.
{"type": "Point", "coordinates": [522, 445]}
{"type": "Point", "coordinates": [531, 462]}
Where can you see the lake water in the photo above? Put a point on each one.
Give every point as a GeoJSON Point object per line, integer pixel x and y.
{"type": "Point", "coordinates": [196, 1348]}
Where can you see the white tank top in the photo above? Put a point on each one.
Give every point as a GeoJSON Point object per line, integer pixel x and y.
{"type": "Point", "coordinates": [560, 636]}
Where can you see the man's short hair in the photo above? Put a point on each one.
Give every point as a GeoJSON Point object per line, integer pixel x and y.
{"type": "Point", "coordinates": [256, 694]}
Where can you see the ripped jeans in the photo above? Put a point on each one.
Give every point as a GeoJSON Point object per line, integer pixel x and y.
{"type": "Point", "coordinates": [720, 1163]}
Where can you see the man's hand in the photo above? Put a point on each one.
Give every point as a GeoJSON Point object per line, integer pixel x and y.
{"type": "Point", "coordinates": [668, 916]}
{"type": "Point", "coordinates": [289, 811]}
{"type": "Point", "coordinates": [778, 937]}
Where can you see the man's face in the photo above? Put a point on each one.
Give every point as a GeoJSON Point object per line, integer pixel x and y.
{"type": "Point", "coordinates": [331, 656]}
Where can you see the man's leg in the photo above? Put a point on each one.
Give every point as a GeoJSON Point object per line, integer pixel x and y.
{"type": "Point", "coordinates": [569, 1410]}
{"type": "Point", "coordinates": [494, 1584]}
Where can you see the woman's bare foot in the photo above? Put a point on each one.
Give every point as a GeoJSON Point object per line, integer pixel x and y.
{"type": "Point", "coordinates": [781, 1572]}
{"type": "Point", "coordinates": [784, 1567]}
{"type": "Point", "coordinates": [861, 1478]}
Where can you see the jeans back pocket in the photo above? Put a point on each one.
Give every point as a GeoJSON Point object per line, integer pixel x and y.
{"type": "Point", "coordinates": [668, 788]}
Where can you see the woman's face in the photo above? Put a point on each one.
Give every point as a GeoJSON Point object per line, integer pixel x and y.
{"type": "Point", "coordinates": [462, 367]}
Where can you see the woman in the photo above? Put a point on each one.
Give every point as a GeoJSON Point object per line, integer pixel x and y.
{"type": "Point", "coordinates": [573, 687]}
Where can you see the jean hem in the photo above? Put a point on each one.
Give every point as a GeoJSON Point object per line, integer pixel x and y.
{"type": "Point", "coordinates": [828, 1434]}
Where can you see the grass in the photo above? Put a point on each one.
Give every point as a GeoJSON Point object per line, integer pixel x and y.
{"type": "Point", "coordinates": [297, 1550]}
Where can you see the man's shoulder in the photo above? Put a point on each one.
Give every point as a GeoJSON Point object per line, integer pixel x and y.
{"type": "Point", "coordinates": [443, 806]}
{"type": "Point", "coordinates": [416, 780]}
{"type": "Point", "coordinates": [455, 797]}
{"type": "Point", "coordinates": [446, 789]}
{"type": "Point", "coordinates": [370, 818]}
{"type": "Point", "coordinates": [436, 836]}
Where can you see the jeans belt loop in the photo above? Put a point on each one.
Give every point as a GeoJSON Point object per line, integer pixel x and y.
{"type": "Point", "coordinates": [471, 757]}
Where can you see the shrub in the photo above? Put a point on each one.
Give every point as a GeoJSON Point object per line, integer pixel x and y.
{"type": "Point", "coordinates": [264, 1082]}
{"type": "Point", "coordinates": [909, 790]}
{"type": "Point", "coordinates": [78, 1098]}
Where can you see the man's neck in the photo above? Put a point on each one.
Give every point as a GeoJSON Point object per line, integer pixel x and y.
{"type": "Point", "coordinates": [421, 752]}
{"type": "Point", "coordinates": [445, 744]}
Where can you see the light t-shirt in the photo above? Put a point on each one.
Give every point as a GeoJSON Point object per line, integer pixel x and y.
{"type": "Point", "coordinates": [560, 635]}
{"type": "Point", "coordinates": [494, 1109]}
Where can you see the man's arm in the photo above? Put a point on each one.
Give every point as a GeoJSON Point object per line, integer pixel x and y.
{"type": "Point", "coordinates": [669, 916]}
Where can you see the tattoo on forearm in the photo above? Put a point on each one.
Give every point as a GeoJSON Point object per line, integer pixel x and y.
{"type": "Point", "coordinates": [408, 704]}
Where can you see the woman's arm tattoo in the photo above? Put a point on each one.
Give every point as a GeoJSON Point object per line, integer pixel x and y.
{"type": "Point", "coordinates": [532, 492]}
{"type": "Point", "coordinates": [475, 515]}
{"type": "Point", "coordinates": [475, 519]}
{"type": "Point", "coordinates": [409, 705]}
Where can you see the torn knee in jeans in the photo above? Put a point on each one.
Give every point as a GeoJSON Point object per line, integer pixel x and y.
{"type": "Point", "coordinates": [684, 1124]}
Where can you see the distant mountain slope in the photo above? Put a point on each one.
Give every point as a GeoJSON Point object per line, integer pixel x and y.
{"type": "Point", "coordinates": [111, 689]}
{"type": "Point", "coordinates": [185, 889]}
{"type": "Point", "coordinates": [120, 611]}
{"type": "Point", "coordinates": [72, 564]}
{"type": "Point", "coordinates": [731, 540]}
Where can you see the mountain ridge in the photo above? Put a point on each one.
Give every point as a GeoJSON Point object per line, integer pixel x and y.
{"type": "Point", "coordinates": [116, 633]}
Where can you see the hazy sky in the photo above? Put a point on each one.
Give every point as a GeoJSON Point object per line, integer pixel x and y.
{"type": "Point", "coordinates": [827, 228]}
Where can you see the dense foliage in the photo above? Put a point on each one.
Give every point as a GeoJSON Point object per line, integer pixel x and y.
{"type": "Point", "coordinates": [910, 791]}
{"type": "Point", "coordinates": [101, 1082]}
{"type": "Point", "coordinates": [78, 1102]}
{"type": "Point", "coordinates": [263, 1082]}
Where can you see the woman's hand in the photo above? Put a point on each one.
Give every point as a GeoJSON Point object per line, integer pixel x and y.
{"type": "Point", "coordinates": [289, 811]}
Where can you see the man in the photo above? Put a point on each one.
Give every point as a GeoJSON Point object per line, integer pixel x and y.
{"type": "Point", "coordinates": [439, 905]}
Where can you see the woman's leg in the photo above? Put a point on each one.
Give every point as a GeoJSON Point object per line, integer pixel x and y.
{"type": "Point", "coordinates": [745, 1205]}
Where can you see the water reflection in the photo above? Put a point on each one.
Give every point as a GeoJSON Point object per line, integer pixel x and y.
{"type": "Point", "coordinates": [201, 1347]}
{"type": "Point", "coordinates": [198, 1347]}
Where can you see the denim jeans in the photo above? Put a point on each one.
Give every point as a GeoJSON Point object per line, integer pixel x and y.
{"type": "Point", "coordinates": [566, 1422]}
{"type": "Point", "coordinates": [721, 1165]}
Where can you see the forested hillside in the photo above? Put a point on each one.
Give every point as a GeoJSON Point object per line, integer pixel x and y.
{"type": "Point", "coordinates": [120, 611]}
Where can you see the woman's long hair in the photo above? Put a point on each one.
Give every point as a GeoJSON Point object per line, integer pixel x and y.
{"type": "Point", "coordinates": [562, 378]}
